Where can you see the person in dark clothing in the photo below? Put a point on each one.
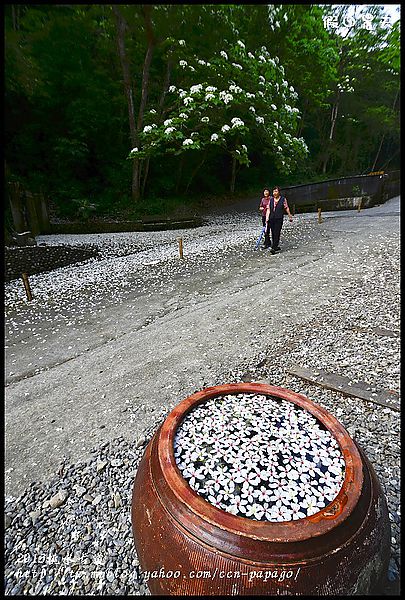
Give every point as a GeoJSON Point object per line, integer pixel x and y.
{"type": "Point", "coordinates": [263, 208]}
{"type": "Point", "coordinates": [275, 214]}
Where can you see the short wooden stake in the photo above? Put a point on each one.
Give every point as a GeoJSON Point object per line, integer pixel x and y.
{"type": "Point", "coordinates": [27, 286]}
{"type": "Point", "coordinates": [359, 205]}
{"type": "Point", "coordinates": [319, 215]}
{"type": "Point", "coordinates": [180, 247]}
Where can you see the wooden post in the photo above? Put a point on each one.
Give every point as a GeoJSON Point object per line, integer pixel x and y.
{"type": "Point", "coordinates": [359, 205]}
{"type": "Point", "coordinates": [43, 213]}
{"type": "Point", "coordinates": [319, 215]}
{"type": "Point", "coordinates": [180, 247]}
{"type": "Point", "coordinates": [33, 221]}
{"type": "Point", "coordinates": [27, 286]}
{"type": "Point", "coordinates": [15, 193]}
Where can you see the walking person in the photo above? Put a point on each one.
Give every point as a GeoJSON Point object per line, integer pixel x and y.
{"type": "Point", "coordinates": [275, 215]}
{"type": "Point", "coordinates": [264, 210]}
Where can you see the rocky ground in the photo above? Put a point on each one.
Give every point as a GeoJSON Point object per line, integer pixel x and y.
{"type": "Point", "coordinates": [108, 347]}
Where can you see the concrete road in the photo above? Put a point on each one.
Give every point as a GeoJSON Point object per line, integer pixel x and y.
{"type": "Point", "coordinates": [112, 373]}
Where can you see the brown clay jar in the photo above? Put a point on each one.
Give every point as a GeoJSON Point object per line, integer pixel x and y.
{"type": "Point", "coordinates": [187, 546]}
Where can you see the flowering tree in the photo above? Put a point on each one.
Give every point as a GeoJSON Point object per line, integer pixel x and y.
{"type": "Point", "coordinates": [224, 102]}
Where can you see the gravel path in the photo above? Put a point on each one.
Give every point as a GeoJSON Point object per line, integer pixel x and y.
{"type": "Point", "coordinates": [108, 347]}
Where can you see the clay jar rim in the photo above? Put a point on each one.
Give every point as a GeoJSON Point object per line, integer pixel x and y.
{"type": "Point", "coordinates": [318, 524]}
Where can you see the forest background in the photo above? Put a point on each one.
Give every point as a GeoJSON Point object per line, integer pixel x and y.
{"type": "Point", "coordinates": [142, 109]}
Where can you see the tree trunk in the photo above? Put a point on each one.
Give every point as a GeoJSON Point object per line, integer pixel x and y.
{"type": "Point", "coordinates": [15, 14]}
{"type": "Point", "coordinates": [334, 113]}
{"type": "Point", "coordinates": [165, 85]}
{"type": "Point", "coordinates": [121, 28]}
{"type": "Point", "coordinates": [333, 118]}
{"type": "Point", "coordinates": [146, 65]}
{"type": "Point", "coordinates": [145, 177]}
{"type": "Point", "coordinates": [160, 109]}
{"type": "Point", "coordinates": [233, 176]}
{"type": "Point", "coordinates": [179, 173]}
{"type": "Point", "coordinates": [14, 17]}
{"type": "Point", "coordinates": [194, 173]}
{"type": "Point", "coordinates": [383, 136]}
{"type": "Point", "coordinates": [378, 153]}
{"type": "Point", "coordinates": [301, 121]}
{"type": "Point", "coordinates": [147, 11]}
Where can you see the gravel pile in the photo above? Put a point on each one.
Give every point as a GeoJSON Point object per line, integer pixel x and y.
{"type": "Point", "coordinates": [72, 535]}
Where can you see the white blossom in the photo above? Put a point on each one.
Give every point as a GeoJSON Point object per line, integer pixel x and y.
{"type": "Point", "coordinates": [182, 93]}
{"type": "Point", "coordinates": [214, 137]}
{"type": "Point", "coordinates": [187, 100]}
{"type": "Point", "coordinates": [205, 119]}
{"type": "Point", "coordinates": [152, 111]}
{"type": "Point", "coordinates": [303, 144]}
{"type": "Point", "coordinates": [183, 115]}
{"type": "Point", "coordinates": [274, 107]}
{"type": "Point", "coordinates": [182, 42]}
{"type": "Point", "coordinates": [238, 66]}
{"type": "Point", "coordinates": [241, 44]}
{"type": "Point", "coordinates": [147, 128]}
{"type": "Point", "coordinates": [259, 119]}
{"type": "Point", "coordinates": [225, 128]}
{"type": "Point", "coordinates": [224, 55]}
{"type": "Point", "coordinates": [196, 88]}
{"type": "Point", "coordinates": [209, 97]}
{"type": "Point", "coordinates": [236, 122]}
{"type": "Point", "coordinates": [252, 108]}
{"type": "Point", "coordinates": [250, 55]}
{"type": "Point", "coordinates": [188, 142]}
{"type": "Point", "coordinates": [244, 147]}
{"type": "Point", "coordinates": [211, 88]}
{"type": "Point", "coordinates": [167, 122]}
{"type": "Point", "coordinates": [249, 95]}
{"type": "Point", "coordinates": [183, 63]}
{"type": "Point", "coordinates": [172, 88]}
{"type": "Point", "coordinates": [201, 62]}
{"type": "Point", "coordinates": [134, 150]}
{"type": "Point", "coordinates": [226, 97]}
{"type": "Point", "coordinates": [169, 130]}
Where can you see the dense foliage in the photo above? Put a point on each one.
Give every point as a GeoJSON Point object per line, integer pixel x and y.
{"type": "Point", "coordinates": [115, 105]}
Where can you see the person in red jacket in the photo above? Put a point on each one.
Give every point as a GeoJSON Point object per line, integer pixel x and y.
{"type": "Point", "coordinates": [263, 208]}
{"type": "Point", "coordinates": [274, 215]}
